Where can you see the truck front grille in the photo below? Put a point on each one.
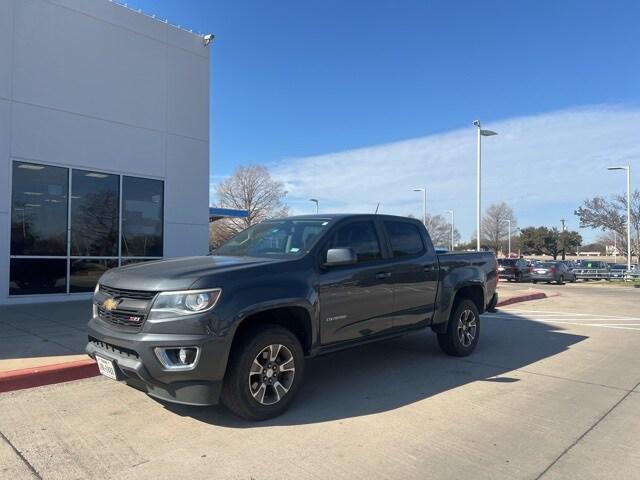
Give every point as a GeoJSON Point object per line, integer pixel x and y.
{"type": "Point", "coordinates": [124, 308]}
{"type": "Point", "coordinates": [121, 318]}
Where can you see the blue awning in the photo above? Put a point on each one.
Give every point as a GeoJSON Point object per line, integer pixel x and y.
{"type": "Point", "coordinates": [218, 213]}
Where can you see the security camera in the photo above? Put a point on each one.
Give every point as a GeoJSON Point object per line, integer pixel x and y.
{"type": "Point", "coordinates": [206, 39]}
{"type": "Point", "coordinates": [476, 123]}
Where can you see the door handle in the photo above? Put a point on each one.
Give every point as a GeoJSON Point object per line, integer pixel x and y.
{"type": "Point", "coordinates": [383, 275]}
{"type": "Point", "coordinates": [428, 268]}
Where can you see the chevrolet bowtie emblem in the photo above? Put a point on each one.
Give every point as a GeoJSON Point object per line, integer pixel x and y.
{"type": "Point", "coordinates": [110, 304]}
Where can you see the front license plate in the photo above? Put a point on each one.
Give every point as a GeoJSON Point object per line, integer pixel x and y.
{"type": "Point", "coordinates": [106, 368]}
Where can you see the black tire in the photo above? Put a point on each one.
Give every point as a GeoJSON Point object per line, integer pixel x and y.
{"type": "Point", "coordinates": [236, 392]}
{"type": "Point", "coordinates": [534, 281]}
{"type": "Point", "coordinates": [574, 279]}
{"type": "Point", "coordinates": [450, 342]}
{"type": "Point", "coordinates": [561, 280]}
{"type": "Point", "coordinates": [518, 277]}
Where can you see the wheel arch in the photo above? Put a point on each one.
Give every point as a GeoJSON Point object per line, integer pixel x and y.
{"type": "Point", "coordinates": [295, 318]}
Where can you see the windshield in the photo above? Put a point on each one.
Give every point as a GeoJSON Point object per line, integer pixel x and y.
{"type": "Point", "coordinates": [274, 239]}
{"type": "Point", "coordinates": [506, 261]}
{"type": "Point", "coordinates": [546, 264]}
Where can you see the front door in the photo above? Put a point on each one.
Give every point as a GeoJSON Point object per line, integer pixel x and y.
{"type": "Point", "coordinates": [355, 300]}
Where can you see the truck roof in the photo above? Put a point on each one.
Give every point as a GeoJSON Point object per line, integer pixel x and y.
{"type": "Point", "coordinates": [337, 216]}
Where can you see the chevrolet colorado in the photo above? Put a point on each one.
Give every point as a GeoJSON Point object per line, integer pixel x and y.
{"type": "Point", "coordinates": [236, 326]}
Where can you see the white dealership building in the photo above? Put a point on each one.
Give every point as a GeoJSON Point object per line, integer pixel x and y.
{"type": "Point", "coordinates": [104, 144]}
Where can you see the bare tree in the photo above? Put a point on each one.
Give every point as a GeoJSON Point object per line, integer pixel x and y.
{"type": "Point", "coordinates": [611, 215]}
{"type": "Point", "coordinates": [252, 189]}
{"type": "Point", "coordinates": [495, 227]}
{"type": "Point", "coordinates": [440, 231]}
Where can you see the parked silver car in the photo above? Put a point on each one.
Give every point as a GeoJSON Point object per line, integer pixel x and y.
{"type": "Point", "coordinates": [552, 272]}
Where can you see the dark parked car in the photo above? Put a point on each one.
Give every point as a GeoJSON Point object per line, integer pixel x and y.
{"type": "Point", "coordinates": [592, 270]}
{"type": "Point", "coordinates": [513, 269]}
{"type": "Point", "coordinates": [552, 272]}
{"type": "Point", "coordinates": [236, 326]}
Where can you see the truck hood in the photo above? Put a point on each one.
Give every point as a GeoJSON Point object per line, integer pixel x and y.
{"type": "Point", "coordinates": [176, 273]}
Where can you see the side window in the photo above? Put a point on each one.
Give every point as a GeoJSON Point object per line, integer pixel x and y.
{"type": "Point", "coordinates": [405, 238]}
{"type": "Point", "coordinates": [361, 236]}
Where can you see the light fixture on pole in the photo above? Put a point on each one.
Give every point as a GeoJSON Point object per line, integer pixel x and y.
{"type": "Point", "coordinates": [451, 212]}
{"type": "Point", "coordinates": [424, 204]}
{"type": "Point", "coordinates": [481, 133]}
{"type": "Point", "coordinates": [315, 200]}
{"type": "Point", "coordinates": [628, 170]}
{"type": "Point", "coordinates": [509, 222]}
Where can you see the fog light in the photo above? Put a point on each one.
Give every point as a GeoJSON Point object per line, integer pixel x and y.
{"type": "Point", "coordinates": [182, 355]}
{"type": "Point", "coordinates": [178, 358]}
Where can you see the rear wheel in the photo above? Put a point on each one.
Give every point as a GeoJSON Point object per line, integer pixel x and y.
{"type": "Point", "coordinates": [534, 281]}
{"type": "Point", "coordinates": [265, 372]}
{"type": "Point", "coordinates": [518, 277]}
{"type": "Point", "coordinates": [561, 280]}
{"type": "Point", "coordinates": [463, 330]}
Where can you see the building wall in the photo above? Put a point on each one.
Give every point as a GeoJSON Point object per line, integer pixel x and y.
{"type": "Point", "coordinates": [91, 84]}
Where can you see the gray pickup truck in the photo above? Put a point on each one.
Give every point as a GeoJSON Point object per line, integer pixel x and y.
{"type": "Point", "coordinates": [237, 325]}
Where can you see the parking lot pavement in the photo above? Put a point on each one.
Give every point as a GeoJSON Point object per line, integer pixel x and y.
{"type": "Point", "coordinates": [550, 393]}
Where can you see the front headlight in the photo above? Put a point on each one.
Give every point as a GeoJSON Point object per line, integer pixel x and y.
{"type": "Point", "coordinates": [188, 302]}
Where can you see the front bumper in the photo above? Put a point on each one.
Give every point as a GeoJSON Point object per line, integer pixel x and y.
{"type": "Point", "coordinates": [136, 363]}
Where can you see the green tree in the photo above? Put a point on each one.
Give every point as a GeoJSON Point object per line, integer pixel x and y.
{"type": "Point", "coordinates": [549, 241]}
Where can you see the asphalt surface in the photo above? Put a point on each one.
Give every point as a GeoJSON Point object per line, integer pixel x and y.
{"type": "Point", "coordinates": [552, 392]}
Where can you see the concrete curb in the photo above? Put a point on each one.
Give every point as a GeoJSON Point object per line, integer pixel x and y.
{"type": "Point", "coordinates": [47, 375]}
{"type": "Point", "coordinates": [525, 298]}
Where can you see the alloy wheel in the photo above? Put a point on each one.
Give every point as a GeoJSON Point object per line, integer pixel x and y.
{"type": "Point", "coordinates": [467, 328]}
{"type": "Point", "coordinates": [271, 375]}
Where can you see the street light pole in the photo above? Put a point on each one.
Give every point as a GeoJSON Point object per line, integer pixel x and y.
{"type": "Point", "coordinates": [628, 170]}
{"type": "Point", "coordinates": [452, 229]}
{"type": "Point", "coordinates": [509, 222]}
{"type": "Point", "coordinates": [315, 200]}
{"type": "Point", "coordinates": [424, 204]}
{"type": "Point", "coordinates": [481, 133]}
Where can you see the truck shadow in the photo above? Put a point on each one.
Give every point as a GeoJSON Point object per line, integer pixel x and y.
{"type": "Point", "coordinates": [391, 374]}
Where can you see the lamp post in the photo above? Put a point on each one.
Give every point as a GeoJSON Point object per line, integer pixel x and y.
{"type": "Point", "coordinates": [424, 204]}
{"type": "Point", "coordinates": [451, 212]}
{"type": "Point", "coordinates": [509, 222]}
{"type": "Point", "coordinates": [315, 200]}
{"type": "Point", "coordinates": [481, 133]}
{"type": "Point", "coordinates": [628, 170]}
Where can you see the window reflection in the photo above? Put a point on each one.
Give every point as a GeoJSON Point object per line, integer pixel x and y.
{"type": "Point", "coordinates": [40, 215]}
{"type": "Point", "coordinates": [30, 276]}
{"type": "Point", "coordinates": [142, 213]}
{"type": "Point", "coordinates": [86, 273]}
{"type": "Point", "coordinates": [94, 214]}
{"type": "Point", "coordinates": [39, 210]}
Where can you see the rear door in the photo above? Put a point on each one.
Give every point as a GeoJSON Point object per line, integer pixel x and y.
{"type": "Point", "coordinates": [355, 300]}
{"type": "Point", "coordinates": [414, 275]}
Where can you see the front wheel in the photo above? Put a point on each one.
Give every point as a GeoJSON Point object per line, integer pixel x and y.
{"type": "Point", "coordinates": [265, 372]}
{"type": "Point", "coordinates": [561, 280]}
{"type": "Point", "coordinates": [463, 330]}
{"type": "Point", "coordinates": [534, 281]}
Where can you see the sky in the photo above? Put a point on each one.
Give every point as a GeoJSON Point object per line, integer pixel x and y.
{"type": "Point", "coordinates": [359, 102]}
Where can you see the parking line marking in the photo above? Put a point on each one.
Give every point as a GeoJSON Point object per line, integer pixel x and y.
{"type": "Point", "coordinates": [564, 318]}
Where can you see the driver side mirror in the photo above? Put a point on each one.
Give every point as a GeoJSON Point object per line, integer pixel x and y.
{"type": "Point", "coordinates": [340, 256]}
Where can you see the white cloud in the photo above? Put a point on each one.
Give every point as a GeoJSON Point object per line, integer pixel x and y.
{"type": "Point", "coordinates": [542, 165]}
